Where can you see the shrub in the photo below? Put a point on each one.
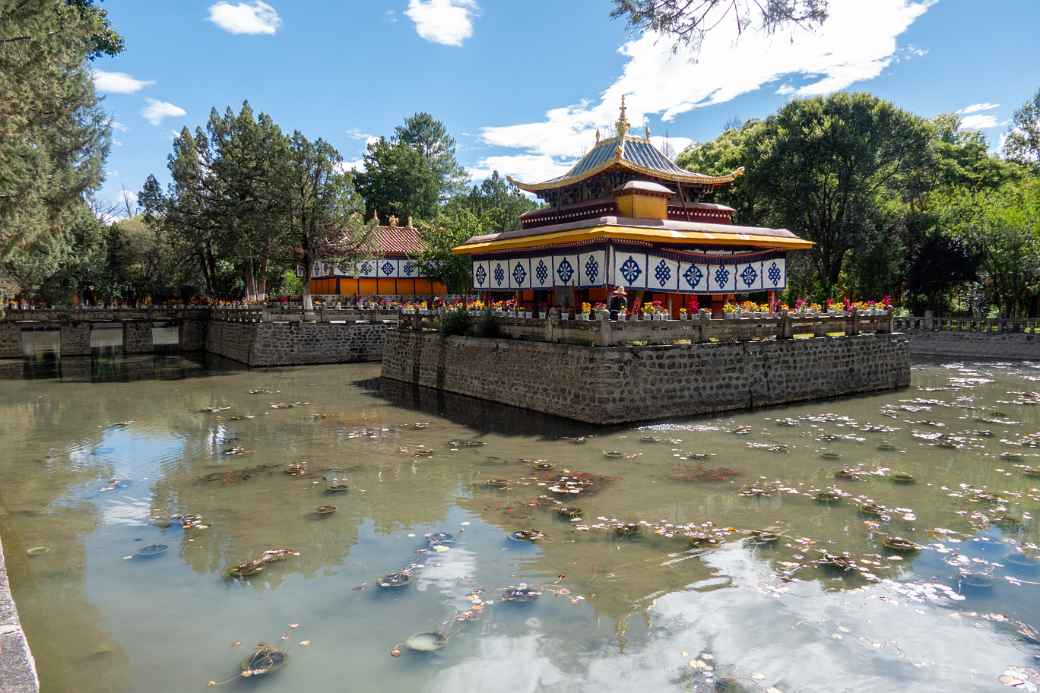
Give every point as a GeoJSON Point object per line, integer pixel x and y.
{"type": "Point", "coordinates": [455, 322]}
{"type": "Point", "coordinates": [488, 326]}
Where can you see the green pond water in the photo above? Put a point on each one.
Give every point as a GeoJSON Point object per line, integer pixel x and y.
{"type": "Point", "coordinates": [104, 458]}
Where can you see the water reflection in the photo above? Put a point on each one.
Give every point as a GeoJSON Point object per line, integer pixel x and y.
{"type": "Point", "coordinates": [99, 466]}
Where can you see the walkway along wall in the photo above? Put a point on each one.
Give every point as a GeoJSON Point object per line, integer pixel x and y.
{"type": "Point", "coordinates": [604, 385]}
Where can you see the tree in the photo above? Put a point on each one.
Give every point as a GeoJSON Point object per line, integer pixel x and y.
{"type": "Point", "coordinates": [496, 203]}
{"type": "Point", "coordinates": [829, 168]}
{"type": "Point", "coordinates": [324, 210]}
{"type": "Point", "coordinates": [428, 136]}
{"type": "Point", "coordinates": [228, 202]}
{"type": "Point", "coordinates": [1022, 143]}
{"type": "Point", "coordinates": [397, 180]}
{"type": "Point", "coordinates": [453, 226]}
{"type": "Point", "coordinates": [689, 21]}
{"type": "Point", "coordinates": [728, 152]}
{"type": "Point", "coordinates": [53, 136]}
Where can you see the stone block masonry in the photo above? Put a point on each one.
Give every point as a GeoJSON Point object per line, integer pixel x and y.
{"type": "Point", "coordinates": [17, 666]}
{"type": "Point", "coordinates": [295, 343]}
{"type": "Point", "coordinates": [606, 385]}
{"type": "Point", "coordinates": [976, 345]}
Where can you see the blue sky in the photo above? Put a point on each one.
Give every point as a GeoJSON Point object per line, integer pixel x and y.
{"type": "Point", "coordinates": [523, 85]}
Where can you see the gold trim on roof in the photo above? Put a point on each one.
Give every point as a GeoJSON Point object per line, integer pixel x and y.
{"type": "Point", "coordinates": [633, 233]}
{"type": "Point", "coordinates": [673, 177]}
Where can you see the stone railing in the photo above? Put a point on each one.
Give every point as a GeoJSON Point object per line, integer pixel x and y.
{"type": "Point", "coordinates": [113, 314]}
{"type": "Point", "coordinates": [248, 315]}
{"type": "Point", "coordinates": [983, 325]}
{"type": "Point", "coordinates": [701, 330]}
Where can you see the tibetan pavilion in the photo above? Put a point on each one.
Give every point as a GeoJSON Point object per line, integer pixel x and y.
{"type": "Point", "coordinates": [391, 271]}
{"type": "Point", "coordinates": [626, 216]}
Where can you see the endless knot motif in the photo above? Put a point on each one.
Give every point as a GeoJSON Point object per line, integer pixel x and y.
{"type": "Point", "coordinates": [693, 276]}
{"type": "Point", "coordinates": [630, 270]}
{"type": "Point", "coordinates": [519, 274]}
{"type": "Point", "coordinates": [388, 268]}
{"type": "Point", "coordinates": [722, 277]}
{"type": "Point", "coordinates": [366, 268]}
{"type": "Point", "coordinates": [663, 272]}
{"type": "Point", "coordinates": [408, 268]}
{"type": "Point", "coordinates": [500, 274]}
{"type": "Point", "coordinates": [591, 269]}
{"type": "Point", "coordinates": [774, 274]}
{"type": "Point", "coordinates": [542, 272]}
{"type": "Point", "coordinates": [481, 275]}
{"type": "Point", "coordinates": [749, 275]}
{"type": "Point", "coordinates": [565, 271]}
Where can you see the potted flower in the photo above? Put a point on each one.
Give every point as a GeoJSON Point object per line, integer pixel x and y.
{"type": "Point", "coordinates": [683, 313]}
{"type": "Point", "coordinates": [600, 309]}
{"type": "Point", "coordinates": [730, 311]}
{"type": "Point", "coordinates": [586, 308]}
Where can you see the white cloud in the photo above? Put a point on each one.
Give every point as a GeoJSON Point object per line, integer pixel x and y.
{"type": "Point", "coordinates": [979, 122]}
{"type": "Point", "coordinates": [245, 18]}
{"type": "Point", "coordinates": [979, 108]}
{"type": "Point", "coordinates": [118, 82]}
{"type": "Point", "coordinates": [448, 22]}
{"type": "Point", "coordinates": [366, 137]}
{"type": "Point", "coordinates": [116, 125]}
{"type": "Point", "coordinates": [525, 167]}
{"type": "Point", "coordinates": [785, 89]}
{"type": "Point", "coordinates": [156, 110]}
{"type": "Point", "coordinates": [856, 43]}
{"type": "Point", "coordinates": [354, 165]}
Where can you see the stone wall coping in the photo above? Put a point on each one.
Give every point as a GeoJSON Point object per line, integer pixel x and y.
{"type": "Point", "coordinates": [17, 666]}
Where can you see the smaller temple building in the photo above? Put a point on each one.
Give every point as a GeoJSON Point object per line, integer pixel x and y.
{"type": "Point", "coordinates": [391, 272]}
{"type": "Point", "coordinates": [627, 216]}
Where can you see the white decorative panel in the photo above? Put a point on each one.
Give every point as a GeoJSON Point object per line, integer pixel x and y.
{"type": "Point", "coordinates": [481, 277]}
{"type": "Point", "coordinates": [749, 276]}
{"type": "Point", "coordinates": [774, 274]}
{"type": "Point", "coordinates": [662, 274]}
{"type": "Point", "coordinates": [629, 269]}
{"type": "Point", "coordinates": [566, 270]}
{"type": "Point", "coordinates": [693, 277]}
{"type": "Point", "coordinates": [542, 272]}
{"type": "Point", "coordinates": [519, 273]}
{"type": "Point", "coordinates": [387, 268]}
{"type": "Point", "coordinates": [722, 278]}
{"type": "Point", "coordinates": [366, 268]}
{"type": "Point", "coordinates": [407, 269]}
{"type": "Point", "coordinates": [499, 273]}
{"type": "Point", "coordinates": [592, 268]}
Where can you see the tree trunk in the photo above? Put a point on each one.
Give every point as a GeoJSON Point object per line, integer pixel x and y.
{"type": "Point", "coordinates": [308, 300]}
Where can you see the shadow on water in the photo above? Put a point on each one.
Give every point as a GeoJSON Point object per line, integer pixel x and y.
{"type": "Point", "coordinates": [106, 365]}
{"type": "Point", "coordinates": [482, 415]}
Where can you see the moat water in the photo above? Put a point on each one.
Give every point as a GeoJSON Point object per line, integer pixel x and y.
{"type": "Point", "coordinates": [102, 459]}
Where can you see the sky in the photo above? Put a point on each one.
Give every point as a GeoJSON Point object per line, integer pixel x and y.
{"type": "Point", "coordinates": [523, 86]}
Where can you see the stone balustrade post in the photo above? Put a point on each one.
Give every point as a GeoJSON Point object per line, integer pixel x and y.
{"type": "Point", "coordinates": [854, 323]}
{"type": "Point", "coordinates": [786, 329]}
{"type": "Point", "coordinates": [551, 324]}
{"type": "Point", "coordinates": [929, 320]}
{"type": "Point", "coordinates": [606, 333]}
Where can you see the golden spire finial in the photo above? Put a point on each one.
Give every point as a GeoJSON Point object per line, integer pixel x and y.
{"type": "Point", "coordinates": [622, 122]}
{"type": "Point", "coordinates": [597, 135]}
{"type": "Point", "coordinates": [646, 132]}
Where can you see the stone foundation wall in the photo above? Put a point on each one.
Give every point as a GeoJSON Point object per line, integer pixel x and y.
{"type": "Point", "coordinates": [17, 666]}
{"type": "Point", "coordinates": [619, 384]}
{"type": "Point", "coordinates": [137, 337]}
{"type": "Point", "coordinates": [295, 343]}
{"type": "Point", "coordinates": [193, 335]}
{"type": "Point", "coordinates": [75, 339]}
{"type": "Point", "coordinates": [10, 340]}
{"type": "Point", "coordinates": [974, 345]}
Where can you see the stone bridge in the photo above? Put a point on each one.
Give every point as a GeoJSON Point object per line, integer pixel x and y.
{"type": "Point", "coordinates": [77, 331]}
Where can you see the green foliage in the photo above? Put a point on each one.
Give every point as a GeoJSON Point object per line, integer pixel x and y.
{"type": "Point", "coordinates": [487, 326]}
{"type": "Point", "coordinates": [409, 174]}
{"type": "Point", "coordinates": [1023, 137]}
{"type": "Point", "coordinates": [453, 226]}
{"type": "Point", "coordinates": [397, 180]}
{"type": "Point", "coordinates": [53, 136]}
{"type": "Point", "coordinates": [291, 285]}
{"type": "Point", "coordinates": [455, 322]}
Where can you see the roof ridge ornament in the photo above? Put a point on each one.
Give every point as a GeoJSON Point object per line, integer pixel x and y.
{"type": "Point", "coordinates": [646, 133]}
{"type": "Point", "coordinates": [597, 135]}
{"type": "Point", "coordinates": [622, 130]}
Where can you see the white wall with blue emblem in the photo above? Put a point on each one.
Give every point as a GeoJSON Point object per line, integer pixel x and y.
{"type": "Point", "coordinates": [519, 273]}
{"type": "Point", "coordinates": [629, 269]}
{"type": "Point", "coordinates": [592, 268]}
{"type": "Point", "coordinates": [542, 272]}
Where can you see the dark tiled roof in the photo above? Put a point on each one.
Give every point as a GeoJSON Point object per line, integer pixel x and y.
{"type": "Point", "coordinates": [636, 154]}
